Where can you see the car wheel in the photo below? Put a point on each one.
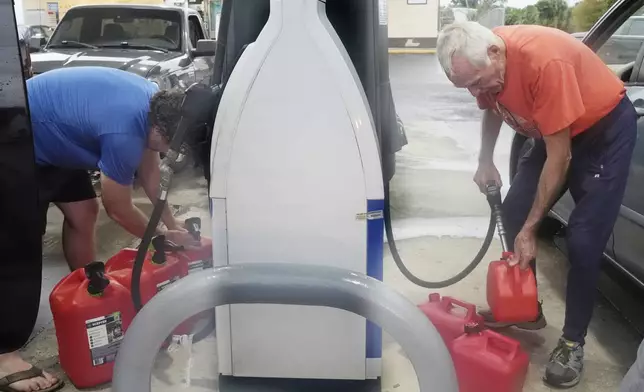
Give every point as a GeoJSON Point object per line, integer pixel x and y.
{"type": "Point", "coordinates": [520, 146]}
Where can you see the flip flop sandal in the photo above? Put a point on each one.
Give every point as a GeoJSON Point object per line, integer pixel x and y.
{"type": "Point", "coordinates": [26, 375]}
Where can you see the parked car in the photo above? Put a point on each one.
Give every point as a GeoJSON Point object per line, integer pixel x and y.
{"type": "Point", "coordinates": [166, 44]}
{"type": "Point", "coordinates": [625, 249]}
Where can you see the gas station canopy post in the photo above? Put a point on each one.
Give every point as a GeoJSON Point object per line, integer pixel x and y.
{"type": "Point", "coordinates": [279, 283]}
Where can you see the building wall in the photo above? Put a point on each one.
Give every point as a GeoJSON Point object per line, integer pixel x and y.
{"type": "Point", "coordinates": [40, 12]}
{"type": "Point", "coordinates": [413, 23]}
{"type": "Point", "coordinates": [67, 4]}
{"type": "Point", "coordinates": [49, 12]}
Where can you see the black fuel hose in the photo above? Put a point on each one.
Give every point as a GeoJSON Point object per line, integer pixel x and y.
{"type": "Point", "coordinates": [195, 102]}
{"type": "Point", "coordinates": [494, 199]}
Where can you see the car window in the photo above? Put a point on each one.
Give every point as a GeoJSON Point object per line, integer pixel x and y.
{"type": "Point", "coordinates": [624, 45]}
{"type": "Point", "coordinates": [112, 26]}
{"type": "Point", "coordinates": [637, 27]}
{"type": "Point", "coordinates": [624, 29]}
{"type": "Point", "coordinates": [196, 33]}
{"type": "Point", "coordinates": [69, 30]}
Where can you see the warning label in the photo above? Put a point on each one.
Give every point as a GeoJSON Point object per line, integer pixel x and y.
{"type": "Point", "coordinates": [383, 13]}
{"type": "Point", "coordinates": [166, 283]}
{"type": "Point", "coordinates": [104, 335]}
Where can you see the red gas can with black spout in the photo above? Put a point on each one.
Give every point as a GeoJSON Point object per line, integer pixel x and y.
{"type": "Point", "coordinates": [160, 268]}
{"type": "Point", "coordinates": [92, 311]}
{"type": "Point", "coordinates": [449, 315]}
{"type": "Point", "coordinates": [201, 258]}
{"type": "Point", "coordinates": [486, 361]}
{"type": "Point", "coordinates": [511, 292]}
{"type": "Point", "coordinates": [196, 260]}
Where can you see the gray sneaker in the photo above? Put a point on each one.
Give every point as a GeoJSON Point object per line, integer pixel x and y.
{"type": "Point", "coordinates": [491, 323]}
{"type": "Point", "coordinates": [566, 365]}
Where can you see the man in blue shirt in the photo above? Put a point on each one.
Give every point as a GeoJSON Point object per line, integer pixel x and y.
{"type": "Point", "coordinates": [88, 118]}
{"type": "Point", "coordinates": [82, 119]}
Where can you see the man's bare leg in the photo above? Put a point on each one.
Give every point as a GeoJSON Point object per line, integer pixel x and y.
{"type": "Point", "coordinates": [79, 232]}
{"type": "Point", "coordinates": [11, 363]}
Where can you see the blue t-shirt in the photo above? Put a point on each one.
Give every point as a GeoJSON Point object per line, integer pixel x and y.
{"type": "Point", "coordinates": [90, 118]}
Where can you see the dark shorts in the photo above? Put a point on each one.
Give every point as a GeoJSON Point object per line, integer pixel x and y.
{"type": "Point", "coordinates": [58, 185]}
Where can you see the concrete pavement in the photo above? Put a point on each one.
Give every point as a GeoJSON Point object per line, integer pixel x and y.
{"type": "Point", "coordinates": [439, 220]}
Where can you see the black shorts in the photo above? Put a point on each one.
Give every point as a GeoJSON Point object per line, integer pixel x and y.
{"type": "Point", "coordinates": [58, 185]}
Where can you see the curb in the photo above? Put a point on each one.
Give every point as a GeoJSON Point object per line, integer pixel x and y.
{"type": "Point", "coordinates": [411, 51]}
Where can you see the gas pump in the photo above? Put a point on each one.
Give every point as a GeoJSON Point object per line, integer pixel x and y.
{"type": "Point", "coordinates": [20, 235]}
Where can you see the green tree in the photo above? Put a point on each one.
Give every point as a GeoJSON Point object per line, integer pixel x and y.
{"type": "Point", "coordinates": [553, 13]}
{"type": "Point", "coordinates": [514, 16]}
{"type": "Point", "coordinates": [587, 12]}
{"type": "Point", "coordinates": [530, 15]}
{"type": "Point", "coordinates": [464, 3]}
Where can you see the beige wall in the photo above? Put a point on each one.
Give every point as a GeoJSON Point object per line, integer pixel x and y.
{"type": "Point", "coordinates": [67, 4]}
{"type": "Point", "coordinates": [35, 12]}
{"type": "Point", "coordinates": [413, 21]}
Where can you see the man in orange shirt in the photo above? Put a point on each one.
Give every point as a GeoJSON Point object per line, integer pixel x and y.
{"type": "Point", "coordinates": [549, 86]}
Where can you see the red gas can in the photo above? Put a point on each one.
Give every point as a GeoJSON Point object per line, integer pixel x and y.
{"type": "Point", "coordinates": [511, 292]}
{"type": "Point", "coordinates": [449, 315]}
{"type": "Point", "coordinates": [201, 258]}
{"type": "Point", "coordinates": [486, 361]}
{"type": "Point", "coordinates": [160, 269]}
{"type": "Point", "coordinates": [92, 311]}
{"type": "Point", "coordinates": [196, 260]}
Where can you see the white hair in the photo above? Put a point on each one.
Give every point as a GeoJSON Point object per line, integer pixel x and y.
{"type": "Point", "coordinates": [468, 39]}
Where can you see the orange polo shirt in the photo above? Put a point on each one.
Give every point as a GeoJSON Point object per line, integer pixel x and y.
{"type": "Point", "coordinates": [552, 81]}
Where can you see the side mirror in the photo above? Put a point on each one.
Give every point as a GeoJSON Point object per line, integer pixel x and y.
{"type": "Point", "coordinates": [36, 43]}
{"type": "Point", "coordinates": [205, 48]}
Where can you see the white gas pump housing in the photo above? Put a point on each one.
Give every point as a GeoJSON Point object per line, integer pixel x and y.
{"type": "Point", "coordinates": [296, 177]}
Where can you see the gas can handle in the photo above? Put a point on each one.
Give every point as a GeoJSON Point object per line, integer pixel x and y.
{"type": "Point", "coordinates": [508, 345]}
{"type": "Point", "coordinates": [471, 309]}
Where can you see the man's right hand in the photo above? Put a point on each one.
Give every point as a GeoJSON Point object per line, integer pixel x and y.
{"type": "Point", "coordinates": [182, 237]}
{"type": "Point", "coordinates": [485, 174]}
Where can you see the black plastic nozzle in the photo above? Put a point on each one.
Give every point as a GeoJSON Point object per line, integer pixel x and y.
{"type": "Point", "coordinates": [493, 193]}
{"type": "Point", "coordinates": [95, 273]}
{"type": "Point", "coordinates": [193, 225]}
{"type": "Point", "coordinates": [159, 245]}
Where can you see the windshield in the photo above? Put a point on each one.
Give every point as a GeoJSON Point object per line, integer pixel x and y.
{"type": "Point", "coordinates": [112, 27]}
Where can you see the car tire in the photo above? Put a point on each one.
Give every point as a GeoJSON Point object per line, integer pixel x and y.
{"type": "Point", "coordinates": [550, 226]}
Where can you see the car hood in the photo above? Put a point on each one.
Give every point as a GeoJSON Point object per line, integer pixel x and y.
{"type": "Point", "coordinates": [141, 62]}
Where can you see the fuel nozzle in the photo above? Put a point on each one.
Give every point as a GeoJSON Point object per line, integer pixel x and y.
{"type": "Point", "coordinates": [193, 225]}
{"type": "Point", "coordinates": [95, 273]}
{"type": "Point", "coordinates": [159, 245]}
{"type": "Point", "coordinates": [493, 194]}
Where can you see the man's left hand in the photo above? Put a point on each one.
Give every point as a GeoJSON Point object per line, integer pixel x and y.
{"type": "Point", "coordinates": [525, 249]}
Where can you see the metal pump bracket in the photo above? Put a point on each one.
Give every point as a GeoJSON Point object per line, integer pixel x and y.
{"type": "Point", "coordinates": [283, 283]}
